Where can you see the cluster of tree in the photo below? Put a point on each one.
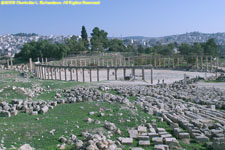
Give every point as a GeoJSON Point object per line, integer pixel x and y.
{"type": "Point", "coordinates": [207, 48]}
{"type": "Point", "coordinates": [43, 49]}
{"type": "Point", "coordinates": [100, 43]}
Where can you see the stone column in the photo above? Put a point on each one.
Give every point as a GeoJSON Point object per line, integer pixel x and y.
{"type": "Point", "coordinates": [83, 74]}
{"type": "Point", "coordinates": [124, 73]}
{"type": "Point", "coordinates": [98, 61]}
{"type": "Point", "coordinates": [31, 67]}
{"type": "Point", "coordinates": [55, 70]}
{"type": "Point", "coordinates": [94, 61]}
{"type": "Point", "coordinates": [151, 75]}
{"type": "Point", "coordinates": [85, 62]}
{"type": "Point", "coordinates": [75, 62]}
{"type": "Point", "coordinates": [111, 62]}
{"type": "Point", "coordinates": [107, 62]}
{"type": "Point", "coordinates": [60, 74]}
{"type": "Point", "coordinates": [42, 60]}
{"type": "Point", "coordinates": [133, 72]}
{"type": "Point", "coordinates": [8, 64]}
{"type": "Point", "coordinates": [90, 75]}
{"type": "Point", "coordinates": [168, 61]}
{"type": "Point", "coordinates": [178, 61]}
{"type": "Point", "coordinates": [107, 73]}
{"type": "Point", "coordinates": [103, 62]}
{"type": "Point", "coordinates": [129, 63]}
{"type": "Point", "coordinates": [38, 59]}
{"type": "Point", "coordinates": [197, 62]}
{"type": "Point", "coordinates": [173, 62]}
{"type": "Point", "coordinates": [46, 60]}
{"type": "Point", "coordinates": [116, 73]}
{"type": "Point", "coordinates": [201, 62]}
{"type": "Point", "coordinates": [164, 62]}
{"type": "Point", "coordinates": [80, 63]}
{"type": "Point", "coordinates": [71, 74]}
{"type": "Point", "coordinates": [159, 59]}
{"type": "Point", "coordinates": [97, 74]}
{"type": "Point", "coordinates": [77, 75]}
{"type": "Point", "coordinates": [42, 72]}
{"type": "Point", "coordinates": [11, 63]}
{"type": "Point", "coordinates": [185, 79]}
{"type": "Point", "coordinates": [143, 74]}
{"type": "Point", "coordinates": [51, 73]}
{"type": "Point", "coordinates": [65, 71]}
{"type": "Point", "coordinates": [45, 75]}
{"type": "Point", "coordinates": [155, 61]}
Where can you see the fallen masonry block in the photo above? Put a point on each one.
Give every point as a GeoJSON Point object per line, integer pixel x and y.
{"type": "Point", "coordinates": [202, 139]}
{"type": "Point", "coordinates": [151, 135]}
{"type": "Point", "coordinates": [127, 140]}
{"type": "Point", "coordinates": [184, 135]}
{"type": "Point", "coordinates": [161, 130]}
{"type": "Point", "coordinates": [161, 147]}
{"type": "Point", "coordinates": [44, 110]}
{"type": "Point", "coordinates": [171, 141]}
{"type": "Point", "coordinates": [152, 130]}
{"type": "Point", "coordinates": [166, 136]}
{"type": "Point", "coordinates": [142, 129]}
{"type": "Point", "coordinates": [137, 148]}
{"type": "Point", "coordinates": [143, 137]}
{"type": "Point", "coordinates": [157, 140]}
{"type": "Point", "coordinates": [133, 133]}
{"type": "Point", "coordinates": [144, 143]}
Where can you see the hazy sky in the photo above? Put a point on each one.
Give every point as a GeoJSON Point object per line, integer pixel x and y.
{"type": "Point", "coordinates": [151, 18]}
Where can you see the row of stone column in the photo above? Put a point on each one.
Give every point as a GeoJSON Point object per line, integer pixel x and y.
{"type": "Point", "coordinates": [97, 62]}
{"type": "Point", "coordinates": [55, 73]}
{"type": "Point", "coordinates": [207, 64]}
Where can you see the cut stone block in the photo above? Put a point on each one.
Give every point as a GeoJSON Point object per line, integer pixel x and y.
{"type": "Point", "coordinates": [161, 130]}
{"type": "Point", "coordinates": [184, 135]}
{"type": "Point", "coordinates": [166, 136]}
{"type": "Point", "coordinates": [152, 130]}
{"type": "Point", "coordinates": [127, 140]}
{"type": "Point", "coordinates": [157, 140]}
{"type": "Point", "coordinates": [144, 143]}
{"type": "Point", "coordinates": [142, 129]}
{"type": "Point", "coordinates": [202, 139]}
{"type": "Point", "coordinates": [161, 147]}
{"type": "Point", "coordinates": [133, 133]}
{"type": "Point", "coordinates": [163, 133]}
{"type": "Point", "coordinates": [151, 135]}
{"type": "Point", "coordinates": [143, 137]}
{"type": "Point", "coordinates": [137, 148]}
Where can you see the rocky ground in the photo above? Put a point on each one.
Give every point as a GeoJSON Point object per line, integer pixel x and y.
{"type": "Point", "coordinates": [63, 115]}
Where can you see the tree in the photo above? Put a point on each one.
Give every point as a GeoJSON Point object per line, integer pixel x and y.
{"type": "Point", "coordinates": [148, 50]}
{"type": "Point", "coordinates": [116, 45]}
{"type": "Point", "coordinates": [198, 49]}
{"type": "Point", "coordinates": [75, 45]}
{"type": "Point", "coordinates": [185, 49]}
{"type": "Point", "coordinates": [84, 37]}
{"type": "Point", "coordinates": [140, 49]}
{"type": "Point", "coordinates": [166, 49]}
{"type": "Point", "coordinates": [210, 48]}
{"type": "Point", "coordinates": [99, 40]}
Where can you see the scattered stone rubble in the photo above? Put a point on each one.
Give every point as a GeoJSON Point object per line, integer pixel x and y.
{"type": "Point", "coordinates": [189, 110]}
